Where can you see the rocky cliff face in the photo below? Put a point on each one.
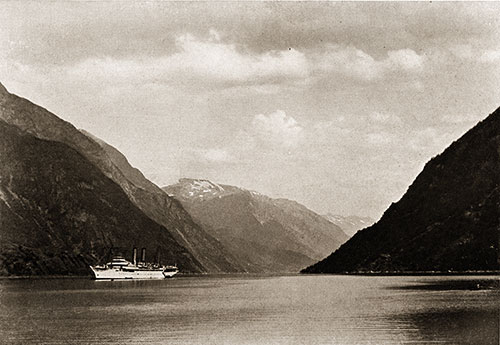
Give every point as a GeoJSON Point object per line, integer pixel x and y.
{"type": "Point", "coordinates": [263, 234]}
{"type": "Point", "coordinates": [149, 198]}
{"type": "Point", "coordinates": [60, 213]}
{"type": "Point", "coordinates": [448, 220]}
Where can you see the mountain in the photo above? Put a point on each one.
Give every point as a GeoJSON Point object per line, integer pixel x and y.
{"type": "Point", "coordinates": [349, 224]}
{"type": "Point", "coordinates": [60, 213]}
{"type": "Point", "coordinates": [448, 220]}
{"type": "Point", "coordinates": [146, 196]}
{"type": "Point", "coordinates": [263, 234]}
{"type": "Point", "coordinates": [168, 211]}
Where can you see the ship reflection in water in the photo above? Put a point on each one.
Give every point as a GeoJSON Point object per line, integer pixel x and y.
{"type": "Point", "coordinates": [252, 310]}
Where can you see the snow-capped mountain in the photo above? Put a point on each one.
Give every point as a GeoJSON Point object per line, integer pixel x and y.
{"type": "Point", "coordinates": [262, 233]}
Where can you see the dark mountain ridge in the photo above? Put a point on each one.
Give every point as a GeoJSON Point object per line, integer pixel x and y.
{"type": "Point", "coordinates": [148, 197]}
{"type": "Point", "coordinates": [59, 213]}
{"type": "Point", "coordinates": [448, 220]}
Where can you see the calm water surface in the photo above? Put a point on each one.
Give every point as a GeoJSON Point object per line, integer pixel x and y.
{"type": "Point", "coordinates": [252, 310]}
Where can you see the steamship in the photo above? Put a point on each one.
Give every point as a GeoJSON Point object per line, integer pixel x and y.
{"type": "Point", "coordinates": [119, 268]}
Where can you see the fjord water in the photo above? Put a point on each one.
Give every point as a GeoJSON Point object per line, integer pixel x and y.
{"type": "Point", "coordinates": [252, 310]}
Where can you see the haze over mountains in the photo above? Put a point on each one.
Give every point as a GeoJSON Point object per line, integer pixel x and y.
{"type": "Point", "coordinates": [263, 234]}
{"type": "Point", "coordinates": [349, 224]}
{"type": "Point", "coordinates": [448, 220]}
{"type": "Point", "coordinates": [67, 198]}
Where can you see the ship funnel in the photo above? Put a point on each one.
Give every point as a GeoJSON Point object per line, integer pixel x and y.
{"type": "Point", "coordinates": [143, 255]}
{"type": "Point", "coordinates": [158, 256]}
{"type": "Point", "coordinates": [135, 256]}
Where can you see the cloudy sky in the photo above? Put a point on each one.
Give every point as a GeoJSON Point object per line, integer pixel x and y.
{"type": "Point", "coordinates": [335, 105]}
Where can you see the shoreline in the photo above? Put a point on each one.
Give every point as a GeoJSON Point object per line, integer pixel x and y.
{"type": "Point", "coordinates": [409, 273]}
{"type": "Point", "coordinates": [371, 273]}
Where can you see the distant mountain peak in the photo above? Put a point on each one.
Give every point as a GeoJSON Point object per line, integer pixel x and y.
{"type": "Point", "coordinates": [198, 189]}
{"type": "Point", "coordinates": [262, 233]}
{"type": "Point", "coordinates": [202, 186]}
{"type": "Point", "coordinates": [350, 224]}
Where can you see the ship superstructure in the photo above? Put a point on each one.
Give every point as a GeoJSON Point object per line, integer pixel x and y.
{"type": "Point", "coordinates": [119, 268]}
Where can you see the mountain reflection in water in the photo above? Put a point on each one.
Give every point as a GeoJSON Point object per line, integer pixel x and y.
{"type": "Point", "coordinates": [454, 284]}
{"type": "Point", "coordinates": [324, 309]}
{"type": "Point", "coordinates": [471, 319]}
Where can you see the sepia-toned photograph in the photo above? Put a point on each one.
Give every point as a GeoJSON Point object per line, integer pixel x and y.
{"type": "Point", "coordinates": [249, 172]}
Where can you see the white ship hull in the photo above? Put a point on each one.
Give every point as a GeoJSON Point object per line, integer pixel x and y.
{"type": "Point", "coordinates": [120, 268]}
{"type": "Point", "coordinates": [116, 274]}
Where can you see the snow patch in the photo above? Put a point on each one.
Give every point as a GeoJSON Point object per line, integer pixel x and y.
{"type": "Point", "coordinates": [204, 186]}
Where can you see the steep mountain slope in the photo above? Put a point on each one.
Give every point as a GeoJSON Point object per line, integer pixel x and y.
{"type": "Point", "coordinates": [448, 220]}
{"type": "Point", "coordinates": [350, 224]}
{"type": "Point", "coordinates": [168, 211]}
{"type": "Point", "coordinates": [59, 213]}
{"type": "Point", "coordinates": [263, 234]}
{"type": "Point", "coordinates": [148, 197]}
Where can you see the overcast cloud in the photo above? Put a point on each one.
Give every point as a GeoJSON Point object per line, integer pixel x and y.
{"type": "Point", "coordinates": [336, 105]}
